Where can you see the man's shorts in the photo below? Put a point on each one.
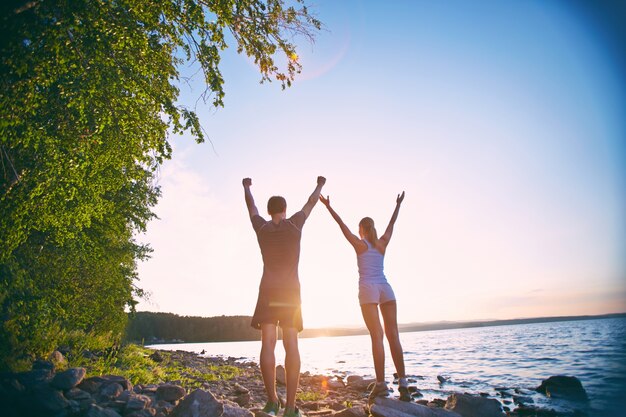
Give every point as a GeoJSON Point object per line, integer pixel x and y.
{"type": "Point", "coordinates": [278, 306]}
{"type": "Point", "coordinates": [372, 293]}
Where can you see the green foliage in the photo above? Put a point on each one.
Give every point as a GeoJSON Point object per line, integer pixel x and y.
{"type": "Point", "coordinates": [311, 395]}
{"type": "Point", "coordinates": [148, 326]}
{"type": "Point", "coordinates": [133, 362]}
{"type": "Point", "coordinates": [87, 101]}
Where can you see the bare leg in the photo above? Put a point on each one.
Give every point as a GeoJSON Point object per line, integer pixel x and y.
{"type": "Point", "coordinates": [389, 311]}
{"type": "Point", "coordinates": [292, 365]}
{"type": "Point", "coordinates": [372, 321]}
{"type": "Point", "coordinates": [268, 360]}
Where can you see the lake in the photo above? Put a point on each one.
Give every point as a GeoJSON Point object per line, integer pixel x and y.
{"type": "Point", "coordinates": [488, 360]}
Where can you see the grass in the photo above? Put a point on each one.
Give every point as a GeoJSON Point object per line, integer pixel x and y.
{"type": "Point", "coordinates": [311, 396]}
{"type": "Point", "coordinates": [134, 362]}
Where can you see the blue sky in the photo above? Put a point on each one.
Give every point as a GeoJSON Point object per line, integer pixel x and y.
{"type": "Point", "coordinates": [502, 121]}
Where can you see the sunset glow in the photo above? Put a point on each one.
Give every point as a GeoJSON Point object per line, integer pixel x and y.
{"type": "Point", "coordinates": [504, 126]}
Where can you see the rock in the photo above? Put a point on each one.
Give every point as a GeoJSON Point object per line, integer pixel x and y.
{"type": "Point", "coordinates": [310, 405]}
{"type": "Point", "coordinates": [336, 406]}
{"type": "Point", "coordinates": [335, 384]}
{"type": "Point", "coordinates": [77, 394]}
{"type": "Point", "coordinates": [57, 359]}
{"type": "Point", "coordinates": [232, 409]}
{"type": "Point", "coordinates": [240, 389]}
{"type": "Point", "coordinates": [386, 407]}
{"type": "Point", "coordinates": [243, 399]}
{"type": "Point", "coordinates": [124, 382]}
{"type": "Point", "coordinates": [157, 357]}
{"type": "Point", "coordinates": [415, 393]}
{"type": "Point", "coordinates": [47, 399]}
{"type": "Point", "coordinates": [35, 377]}
{"type": "Point", "coordinates": [280, 375]}
{"type": "Point", "coordinates": [41, 364]}
{"type": "Point", "coordinates": [170, 392]}
{"type": "Point", "coordinates": [470, 406]}
{"type": "Point", "coordinates": [95, 383]}
{"type": "Point", "coordinates": [352, 412]}
{"type": "Point", "coordinates": [125, 396]}
{"type": "Point", "coordinates": [199, 403]}
{"type": "Point", "coordinates": [137, 402]}
{"type": "Point", "coordinates": [566, 387]}
{"type": "Point", "coordinates": [149, 389]}
{"type": "Point", "coordinates": [68, 379]}
{"type": "Point", "coordinates": [320, 413]}
{"type": "Point", "coordinates": [164, 407]}
{"type": "Point", "coordinates": [358, 383]}
{"type": "Point", "coordinates": [442, 379]}
{"type": "Point", "coordinates": [437, 402]}
{"type": "Point", "coordinates": [91, 385]}
{"type": "Point", "coordinates": [520, 399]}
{"type": "Point", "coordinates": [147, 412]}
{"type": "Point", "coordinates": [111, 390]}
{"type": "Point", "coordinates": [97, 411]}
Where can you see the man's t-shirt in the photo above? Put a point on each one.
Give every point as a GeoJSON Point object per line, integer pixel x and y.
{"type": "Point", "coordinates": [280, 248]}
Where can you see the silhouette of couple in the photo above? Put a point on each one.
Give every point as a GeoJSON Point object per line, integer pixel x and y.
{"type": "Point", "coordinates": [279, 301]}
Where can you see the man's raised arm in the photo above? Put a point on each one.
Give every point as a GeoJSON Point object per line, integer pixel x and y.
{"type": "Point", "coordinates": [308, 207]}
{"type": "Point", "coordinates": [252, 210]}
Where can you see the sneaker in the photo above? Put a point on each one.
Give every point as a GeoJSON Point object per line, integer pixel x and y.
{"type": "Point", "coordinates": [379, 390]}
{"type": "Point", "coordinates": [404, 393]}
{"type": "Point", "coordinates": [294, 413]}
{"type": "Point", "coordinates": [271, 408]}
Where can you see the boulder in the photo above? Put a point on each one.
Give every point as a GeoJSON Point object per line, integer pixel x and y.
{"type": "Point", "coordinates": [95, 383]}
{"type": "Point", "coordinates": [199, 403]}
{"type": "Point", "coordinates": [35, 377]}
{"type": "Point", "coordinates": [352, 412]}
{"type": "Point", "coordinates": [358, 383]}
{"type": "Point", "coordinates": [91, 385]}
{"type": "Point", "coordinates": [97, 411]}
{"type": "Point", "coordinates": [471, 406]}
{"type": "Point", "coordinates": [566, 387]}
{"type": "Point", "coordinates": [280, 375]}
{"type": "Point", "coordinates": [137, 402]}
{"type": "Point", "coordinates": [232, 409]}
{"type": "Point", "coordinates": [170, 392]}
{"type": "Point", "coordinates": [157, 357]}
{"type": "Point", "coordinates": [335, 383]}
{"type": "Point", "coordinates": [240, 389]}
{"type": "Point", "coordinates": [111, 391]}
{"type": "Point", "coordinates": [243, 399]}
{"type": "Point", "coordinates": [387, 407]}
{"type": "Point", "coordinates": [47, 399]}
{"type": "Point", "coordinates": [124, 382]}
{"type": "Point", "coordinates": [57, 359]}
{"type": "Point", "coordinates": [77, 394]}
{"type": "Point", "coordinates": [68, 379]}
{"type": "Point", "coordinates": [41, 364]}
{"type": "Point", "coordinates": [148, 412]}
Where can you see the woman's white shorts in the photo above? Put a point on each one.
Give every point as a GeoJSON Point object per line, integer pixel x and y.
{"type": "Point", "coordinates": [371, 293]}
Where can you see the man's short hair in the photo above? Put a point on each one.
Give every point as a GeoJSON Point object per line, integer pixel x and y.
{"type": "Point", "coordinates": [276, 204]}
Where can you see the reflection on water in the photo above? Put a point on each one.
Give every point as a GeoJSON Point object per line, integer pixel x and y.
{"type": "Point", "coordinates": [480, 360]}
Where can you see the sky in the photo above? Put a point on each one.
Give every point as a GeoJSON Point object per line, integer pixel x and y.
{"type": "Point", "coordinates": [503, 121]}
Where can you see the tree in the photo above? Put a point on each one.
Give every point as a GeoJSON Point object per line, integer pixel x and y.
{"type": "Point", "coordinates": [87, 103]}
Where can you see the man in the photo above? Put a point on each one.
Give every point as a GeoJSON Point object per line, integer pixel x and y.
{"type": "Point", "coordinates": [278, 303]}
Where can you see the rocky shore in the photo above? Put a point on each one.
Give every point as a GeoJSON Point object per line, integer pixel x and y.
{"type": "Point", "coordinates": [45, 392]}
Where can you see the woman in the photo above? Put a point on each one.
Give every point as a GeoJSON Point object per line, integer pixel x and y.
{"type": "Point", "coordinates": [374, 293]}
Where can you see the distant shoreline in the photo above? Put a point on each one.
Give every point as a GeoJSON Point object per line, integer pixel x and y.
{"type": "Point", "coordinates": [237, 328]}
{"type": "Point", "coordinates": [450, 325]}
